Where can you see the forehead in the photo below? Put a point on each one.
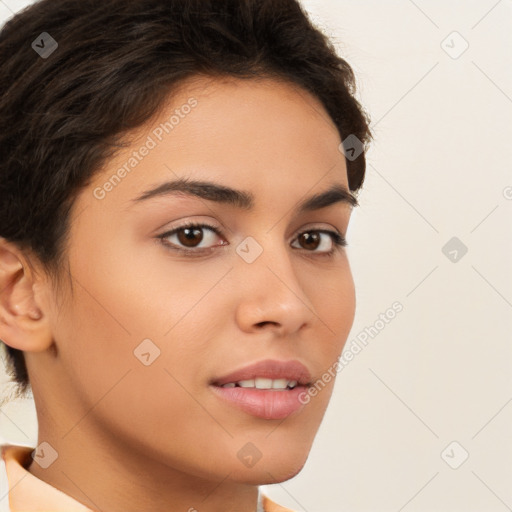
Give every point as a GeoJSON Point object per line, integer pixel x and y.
{"type": "Point", "coordinates": [250, 134]}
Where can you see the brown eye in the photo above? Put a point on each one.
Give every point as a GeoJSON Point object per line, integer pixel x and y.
{"type": "Point", "coordinates": [313, 242]}
{"type": "Point", "coordinates": [189, 237]}
{"type": "Point", "coordinates": [309, 240]}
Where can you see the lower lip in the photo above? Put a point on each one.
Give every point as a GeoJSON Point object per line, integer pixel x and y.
{"type": "Point", "coordinates": [264, 403]}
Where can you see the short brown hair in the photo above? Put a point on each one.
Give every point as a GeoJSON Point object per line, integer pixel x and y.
{"type": "Point", "coordinates": [61, 117]}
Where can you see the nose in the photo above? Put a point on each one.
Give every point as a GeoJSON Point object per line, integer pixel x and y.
{"type": "Point", "coordinates": [270, 293]}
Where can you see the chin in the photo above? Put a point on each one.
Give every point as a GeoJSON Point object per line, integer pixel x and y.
{"type": "Point", "coordinates": [284, 473]}
{"type": "Point", "coordinates": [279, 469]}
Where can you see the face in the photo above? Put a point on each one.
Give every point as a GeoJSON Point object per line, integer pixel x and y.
{"type": "Point", "coordinates": [160, 312]}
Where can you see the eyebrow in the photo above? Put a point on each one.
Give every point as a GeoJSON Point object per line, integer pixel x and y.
{"type": "Point", "coordinates": [242, 199]}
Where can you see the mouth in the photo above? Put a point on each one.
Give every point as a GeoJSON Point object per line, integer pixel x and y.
{"type": "Point", "coordinates": [269, 389]}
{"type": "Point", "coordinates": [262, 383]}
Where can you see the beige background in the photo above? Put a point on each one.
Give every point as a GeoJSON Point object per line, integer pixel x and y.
{"type": "Point", "coordinates": [434, 384]}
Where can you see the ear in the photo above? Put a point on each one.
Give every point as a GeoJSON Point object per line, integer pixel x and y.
{"type": "Point", "coordinates": [24, 323]}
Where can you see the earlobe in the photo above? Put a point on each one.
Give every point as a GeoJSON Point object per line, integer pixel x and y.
{"type": "Point", "coordinates": [23, 324]}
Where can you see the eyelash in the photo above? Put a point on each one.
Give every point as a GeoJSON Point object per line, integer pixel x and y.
{"type": "Point", "coordinates": [338, 240]}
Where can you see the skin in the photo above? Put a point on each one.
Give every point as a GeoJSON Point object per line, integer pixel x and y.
{"type": "Point", "coordinates": [133, 437]}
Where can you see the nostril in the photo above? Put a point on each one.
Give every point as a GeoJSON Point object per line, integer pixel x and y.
{"type": "Point", "coordinates": [261, 324]}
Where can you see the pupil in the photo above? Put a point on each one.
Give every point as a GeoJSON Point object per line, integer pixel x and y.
{"type": "Point", "coordinates": [190, 233]}
{"type": "Point", "coordinates": [308, 237]}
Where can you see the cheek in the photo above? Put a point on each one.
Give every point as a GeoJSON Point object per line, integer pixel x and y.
{"type": "Point", "coordinates": [334, 302]}
{"type": "Point", "coordinates": [166, 319]}
{"type": "Point", "coordinates": [344, 304]}
{"type": "Point", "coordinates": [333, 296]}
{"type": "Point", "coordinates": [126, 312]}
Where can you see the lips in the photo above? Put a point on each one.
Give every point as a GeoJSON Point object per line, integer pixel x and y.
{"type": "Point", "coordinates": [269, 404]}
{"type": "Point", "coordinates": [269, 369]}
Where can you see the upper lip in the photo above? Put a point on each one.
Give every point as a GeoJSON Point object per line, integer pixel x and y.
{"type": "Point", "coordinates": [270, 369]}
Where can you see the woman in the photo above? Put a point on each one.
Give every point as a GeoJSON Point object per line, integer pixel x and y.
{"type": "Point", "coordinates": [177, 179]}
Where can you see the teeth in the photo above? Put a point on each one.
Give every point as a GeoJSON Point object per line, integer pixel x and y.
{"type": "Point", "coordinates": [263, 383]}
{"type": "Point", "coordinates": [279, 384]}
